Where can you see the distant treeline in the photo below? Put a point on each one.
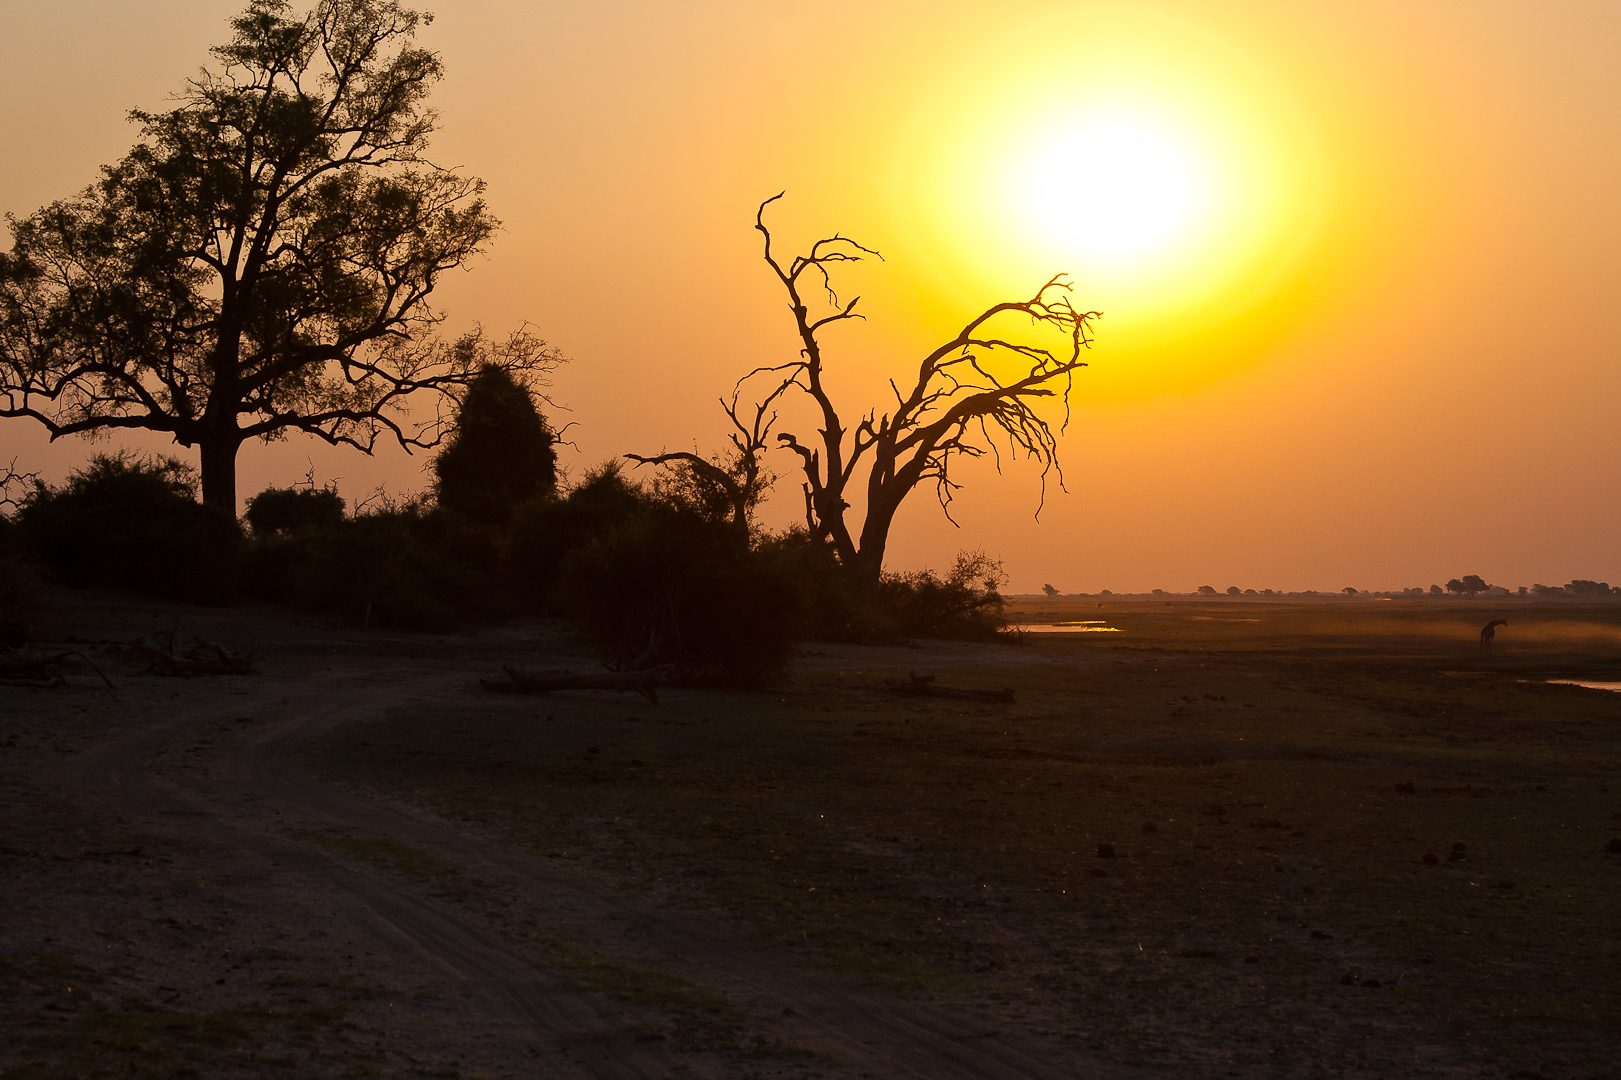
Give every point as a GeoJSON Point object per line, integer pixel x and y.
{"type": "Point", "coordinates": [1579, 589]}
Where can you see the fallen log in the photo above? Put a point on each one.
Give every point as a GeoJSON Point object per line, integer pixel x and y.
{"type": "Point", "coordinates": [924, 686]}
{"type": "Point", "coordinates": [173, 655]}
{"type": "Point", "coordinates": [25, 667]}
{"type": "Point", "coordinates": [644, 682]}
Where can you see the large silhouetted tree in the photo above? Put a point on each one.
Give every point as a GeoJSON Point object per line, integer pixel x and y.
{"type": "Point", "coordinates": [262, 260]}
{"type": "Point", "coordinates": [971, 390]}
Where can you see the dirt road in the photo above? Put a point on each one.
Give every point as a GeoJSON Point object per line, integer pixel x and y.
{"type": "Point", "coordinates": [224, 911]}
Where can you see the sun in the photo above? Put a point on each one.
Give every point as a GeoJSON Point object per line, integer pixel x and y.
{"type": "Point", "coordinates": [1117, 188]}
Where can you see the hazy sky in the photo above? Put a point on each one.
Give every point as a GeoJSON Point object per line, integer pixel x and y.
{"type": "Point", "coordinates": [1376, 345]}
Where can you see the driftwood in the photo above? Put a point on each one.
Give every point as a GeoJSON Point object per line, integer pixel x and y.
{"type": "Point", "coordinates": [175, 654]}
{"type": "Point", "coordinates": [24, 667]}
{"type": "Point", "coordinates": [644, 683]}
{"type": "Point", "coordinates": [924, 686]}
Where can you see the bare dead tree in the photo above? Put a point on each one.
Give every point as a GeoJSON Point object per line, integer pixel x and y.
{"type": "Point", "coordinates": [963, 402]}
{"type": "Point", "coordinates": [730, 484]}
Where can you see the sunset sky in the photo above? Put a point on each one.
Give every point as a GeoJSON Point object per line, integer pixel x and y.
{"type": "Point", "coordinates": [1359, 263]}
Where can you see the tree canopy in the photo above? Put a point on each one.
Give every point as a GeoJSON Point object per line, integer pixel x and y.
{"type": "Point", "coordinates": [262, 260]}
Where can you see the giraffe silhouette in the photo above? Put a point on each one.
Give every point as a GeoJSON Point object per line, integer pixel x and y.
{"type": "Point", "coordinates": [1488, 632]}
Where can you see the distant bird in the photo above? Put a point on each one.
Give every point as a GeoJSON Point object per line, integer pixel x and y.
{"type": "Point", "coordinates": [1488, 632]}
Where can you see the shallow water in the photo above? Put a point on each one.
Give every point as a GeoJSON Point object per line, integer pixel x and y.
{"type": "Point", "coordinates": [1097, 626]}
{"type": "Point", "coordinates": [1591, 685]}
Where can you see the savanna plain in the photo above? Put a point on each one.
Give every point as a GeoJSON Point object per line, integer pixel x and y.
{"type": "Point", "coordinates": [1314, 838]}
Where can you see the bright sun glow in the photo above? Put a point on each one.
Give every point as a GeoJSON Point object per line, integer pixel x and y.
{"type": "Point", "coordinates": [1116, 189]}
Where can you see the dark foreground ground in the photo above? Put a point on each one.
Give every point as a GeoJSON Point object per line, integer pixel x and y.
{"type": "Point", "coordinates": [358, 863]}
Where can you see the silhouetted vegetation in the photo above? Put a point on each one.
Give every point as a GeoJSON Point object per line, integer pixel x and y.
{"type": "Point", "coordinates": [264, 257]}
{"type": "Point", "coordinates": [501, 454]}
{"type": "Point", "coordinates": [133, 523]}
{"type": "Point", "coordinates": [544, 532]}
{"type": "Point", "coordinates": [668, 586]}
{"type": "Point", "coordinates": [286, 511]}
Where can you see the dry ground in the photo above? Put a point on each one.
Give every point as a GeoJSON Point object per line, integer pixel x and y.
{"type": "Point", "coordinates": [357, 863]}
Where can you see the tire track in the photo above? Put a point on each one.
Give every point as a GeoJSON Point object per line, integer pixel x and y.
{"type": "Point", "coordinates": [257, 792]}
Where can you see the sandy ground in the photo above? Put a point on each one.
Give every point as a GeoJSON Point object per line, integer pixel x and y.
{"type": "Point", "coordinates": [182, 897]}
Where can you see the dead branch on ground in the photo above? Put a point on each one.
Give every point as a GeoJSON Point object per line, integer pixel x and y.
{"type": "Point", "coordinates": [644, 683]}
{"type": "Point", "coordinates": [176, 654]}
{"type": "Point", "coordinates": [924, 686]}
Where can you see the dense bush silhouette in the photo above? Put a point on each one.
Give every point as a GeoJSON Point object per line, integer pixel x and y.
{"type": "Point", "coordinates": [669, 587]}
{"type": "Point", "coordinates": [133, 523]}
{"type": "Point", "coordinates": [406, 566]}
{"type": "Point", "coordinates": [282, 511]}
{"type": "Point", "coordinates": [962, 606]}
{"type": "Point", "coordinates": [544, 531]}
{"type": "Point", "coordinates": [501, 455]}
{"type": "Point", "coordinates": [20, 606]}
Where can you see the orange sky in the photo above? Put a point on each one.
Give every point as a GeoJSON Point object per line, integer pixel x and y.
{"type": "Point", "coordinates": [1388, 358]}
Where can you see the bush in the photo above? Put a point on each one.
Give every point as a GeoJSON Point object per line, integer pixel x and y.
{"type": "Point", "coordinates": [963, 606]}
{"type": "Point", "coordinates": [407, 566]}
{"type": "Point", "coordinates": [670, 587]}
{"type": "Point", "coordinates": [281, 511]}
{"type": "Point", "coordinates": [501, 455]}
{"type": "Point", "coordinates": [20, 601]}
{"type": "Point", "coordinates": [544, 531]}
{"type": "Point", "coordinates": [133, 523]}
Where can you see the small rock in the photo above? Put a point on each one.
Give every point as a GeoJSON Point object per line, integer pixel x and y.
{"type": "Point", "coordinates": [1213, 810]}
{"type": "Point", "coordinates": [1096, 871]}
{"type": "Point", "coordinates": [1106, 851]}
{"type": "Point", "coordinates": [1542, 787]}
{"type": "Point", "coordinates": [1454, 856]}
{"type": "Point", "coordinates": [1322, 935]}
{"type": "Point", "coordinates": [1613, 846]}
{"type": "Point", "coordinates": [1306, 890]}
{"type": "Point", "coordinates": [1150, 827]}
{"type": "Point", "coordinates": [1431, 858]}
{"type": "Point", "coordinates": [1459, 848]}
{"type": "Point", "coordinates": [787, 1010]}
{"type": "Point", "coordinates": [1347, 979]}
{"type": "Point", "coordinates": [1252, 959]}
{"type": "Point", "coordinates": [1266, 823]}
{"type": "Point", "coordinates": [1404, 789]}
{"type": "Point", "coordinates": [1503, 885]}
{"type": "Point", "coordinates": [1373, 983]}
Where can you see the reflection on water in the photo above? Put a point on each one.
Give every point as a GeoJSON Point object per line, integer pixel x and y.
{"type": "Point", "coordinates": [1615, 686]}
{"type": "Point", "coordinates": [1097, 626]}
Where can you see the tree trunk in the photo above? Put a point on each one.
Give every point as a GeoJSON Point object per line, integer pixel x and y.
{"type": "Point", "coordinates": [219, 470]}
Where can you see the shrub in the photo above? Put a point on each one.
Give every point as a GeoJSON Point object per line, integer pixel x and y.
{"type": "Point", "coordinates": [133, 523]}
{"type": "Point", "coordinates": [963, 606]}
{"type": "Point", "coordinates": [501, 455]}
{"type": "Point", "coordinates": [405, 566]}
{"type": "Point", "coordinates": [544, 531]}
{"type": "Point", "coordinates": [670, 587]}
{"type": "Point", "coordinates": [20, 602]}
{"type": "Point", "coordinates": [279, 511]}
